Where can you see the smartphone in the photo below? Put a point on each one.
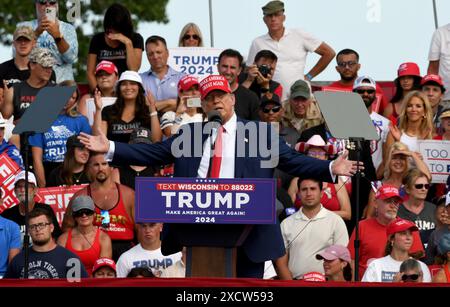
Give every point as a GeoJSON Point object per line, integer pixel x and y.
{"type": "Point", "coordinates": [194, 102]}
{"type": "Point", "coordinates": [50, 12]}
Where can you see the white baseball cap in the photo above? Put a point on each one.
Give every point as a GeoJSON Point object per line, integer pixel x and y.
{"type": "Point", "coordinates": [2, 121]}
{"type": "Point", "coordinates": [364, 81]}
{"type": "Point", "coordinates": [21, 176]}
{"type": "Point", "coordinates": [130, 75]}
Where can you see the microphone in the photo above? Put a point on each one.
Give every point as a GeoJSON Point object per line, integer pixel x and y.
{"type": "Point", "coordinates": [215, 119]}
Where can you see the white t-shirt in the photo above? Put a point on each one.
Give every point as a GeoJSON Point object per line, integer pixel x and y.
{"type": "Point", "coordinates": [138, 257]}
{"type": "Point", "coordinates": [304, 238]}
{"type": "Point", "coordinates": [381, 124]}
{"type": "Point", "coordinates": [291, 51]}
{"type": "Point", "coordinates": [410, 141]}
{"type": "Point", "coordinates": [384, 270]}
{"type": "Point", "coordinates": [440, 51]}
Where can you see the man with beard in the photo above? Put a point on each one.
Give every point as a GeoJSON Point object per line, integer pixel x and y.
{"type": "Point", "coordinates": [46, 259]}
{"type": "Point", "coordinates": [17, 213]}
{"type": "Point", "coordinates": [347, 67]}
{"type": "Point", "coordinates": [114, 205]}
{"type": "Point", "coordinates": [372, 231]}
{"type": "Point", "coordinates": [366, 87]}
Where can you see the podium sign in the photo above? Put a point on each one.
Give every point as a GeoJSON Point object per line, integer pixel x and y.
{"type": "Point", "coordinates": [205, 201]}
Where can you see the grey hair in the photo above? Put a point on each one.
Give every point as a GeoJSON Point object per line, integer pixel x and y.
{"type": "Point", "coordinates": [411, 265]}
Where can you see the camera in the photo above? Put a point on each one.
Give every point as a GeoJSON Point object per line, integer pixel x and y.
{"type": "Point", "coordinates": [264, 70]}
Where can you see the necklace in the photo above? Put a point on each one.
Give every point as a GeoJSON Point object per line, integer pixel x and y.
{"type": "Point", "coordinates": [87, 240]}
{"type": "Point", "coordinates": [76, 177]}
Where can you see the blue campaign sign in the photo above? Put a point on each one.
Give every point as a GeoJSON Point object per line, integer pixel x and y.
{"type": "Point", "coordinates": [195, 200]}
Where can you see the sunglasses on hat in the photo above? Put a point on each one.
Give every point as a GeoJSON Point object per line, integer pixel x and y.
{"type": "Point", "coordinates": [42, 2]}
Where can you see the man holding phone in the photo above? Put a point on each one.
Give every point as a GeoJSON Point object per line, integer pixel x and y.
{"type": "Point", "coordinates": [58, 36]}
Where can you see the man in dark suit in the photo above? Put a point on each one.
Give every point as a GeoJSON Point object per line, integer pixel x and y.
{"type": "Point", "coordinates": [190, 151]}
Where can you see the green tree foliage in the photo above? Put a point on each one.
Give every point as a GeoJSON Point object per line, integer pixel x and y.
{"type": "Point", "coordinates": [92, 12]}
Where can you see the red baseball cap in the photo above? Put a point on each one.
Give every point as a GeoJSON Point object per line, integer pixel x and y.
{"type": "Point", "coordinates": [387, 191]}
{"type": "Point", "coordinates": [214, 82]}
{"type": "Point", "coordinates": [432, 79]}
{"type": "Point", "coordinates": [101, 262]}
{"type": "Point", "coordinates": [107, 66]}
{"type": "Point", "coordinates": [408, 69]}
{"type": "Point", "coordinates": [314, 276]}
{"type": "Point", "coordinates": [400, 225]}
{"type": "Point", "coordinates": [186, 83]}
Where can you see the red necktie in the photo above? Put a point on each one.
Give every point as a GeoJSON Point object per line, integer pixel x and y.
{"type": "Point", "coordinates": [217, 158]}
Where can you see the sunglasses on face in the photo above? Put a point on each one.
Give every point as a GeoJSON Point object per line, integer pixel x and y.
{"type": "Point", "coordinates": [43, 2]}
{"type": "Point", "coordinates": [413, 277]}
{"type": "Point", "coordinates": [274, 109]}
{"type": "Point", "coordinates": [421, 186]}
{"type": "Point", "coordinates": [350, 64]}
{"type": "Point", "coordinates": [82, 212]}
{"type": "Point", "coordinates": [187, 36]}
{"type": "Point", "coordinates": [370, 92]}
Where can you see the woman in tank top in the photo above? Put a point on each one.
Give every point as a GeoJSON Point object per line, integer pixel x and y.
{"type": "Point", "coordinates": [416, 122]}
{"type": "Point", "coordinates": [86, 240]}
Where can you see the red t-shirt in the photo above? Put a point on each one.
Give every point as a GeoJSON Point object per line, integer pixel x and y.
{"type": "Point", "coordinates": [373, 238]}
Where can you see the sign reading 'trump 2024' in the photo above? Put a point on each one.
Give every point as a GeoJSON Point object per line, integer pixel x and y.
{"type": "Point", "coordinates": [195, 200]}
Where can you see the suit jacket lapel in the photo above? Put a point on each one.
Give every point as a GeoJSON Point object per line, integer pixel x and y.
{"type": "Point", "coordinates": [239, 162]}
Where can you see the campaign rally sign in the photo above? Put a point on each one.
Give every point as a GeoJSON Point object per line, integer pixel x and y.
{"type": "Point", "coordinates": [436, 155]}
{"type": "Point", "coordinates": [199, 61]}
{"type": "Point", "coordinates": [8, 171]}
{"type": "Point", "coordinates": [196, 200]}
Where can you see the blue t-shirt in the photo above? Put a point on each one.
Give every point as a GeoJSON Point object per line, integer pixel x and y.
{"type": "Point", "coordinates": [9, 239]}
{"type": "Point", "coordinates": [53, 142]}
{"type": "Point", "coordinates": [57, 263]}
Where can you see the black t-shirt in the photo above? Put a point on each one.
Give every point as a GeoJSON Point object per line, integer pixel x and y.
{"type": "Point", "coordinates": [256, 88]}
{"type": "Point", "coordinates": [12, 74]}
{"type": "Point", "coordinates": [128, 175]}
{"type": "Point", "coordinates": [55, 178]}
{"type": "Point", "coordinates": [57, 263]}
{"type": "Point", "coordinates": [14, 215]}
{"type": "Point", "coordinates": [117, 55]}
{"type": "Point", "coordinates": [24, 95]}
{"type": "Point", "coordinates": [119, 130]}
{"type": "Point", "coordinates": [247, 104]}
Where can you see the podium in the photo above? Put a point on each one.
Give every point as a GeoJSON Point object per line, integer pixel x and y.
{"type": "Point", "coordinates": [212, 218]}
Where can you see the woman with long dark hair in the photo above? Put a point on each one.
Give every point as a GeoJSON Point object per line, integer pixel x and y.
{"type": "Point", "coordinates": [408, 79]}
{"type": "Point", "coordinates": [131, 110]}
{"type": "Point", "coordinates": [118, 43]}
{"type": "Point", "coordinates": [72, 171]}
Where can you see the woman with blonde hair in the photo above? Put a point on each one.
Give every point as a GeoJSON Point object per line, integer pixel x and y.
{"type": "Point", "coordinates": [416, 122]}
{"type": "Point", "coordinates": [396, 166]}
{"type": "Point", "coordinates": [190, 36]}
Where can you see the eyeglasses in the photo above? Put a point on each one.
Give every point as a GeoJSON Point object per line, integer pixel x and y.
{"type": "Point", "coordinates": [274, 109]}
{"type": "Point", "coordinates": [43, 2]}
{"type": "Point", "coordinates": [410, 277]}
{"type": "Point", "coordinates": [350, 64]}
{"type": "Point", "coordinates": [187, 36]}
{"type": "Point", "coordinates": [82, 212]}
{"type": "Point", "coordinates": [361, 91]}
{"type": "Point", "coordinates": [422, 185]}
{"type": "Point", "coordinates": [37, 227]}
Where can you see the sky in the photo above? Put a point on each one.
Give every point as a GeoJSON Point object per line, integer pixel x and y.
{"type": "Point", "coordinates": [385, 33]}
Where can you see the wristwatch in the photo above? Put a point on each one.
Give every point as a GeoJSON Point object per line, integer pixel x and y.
{"type": "Point", "coordinates": [59, 39]}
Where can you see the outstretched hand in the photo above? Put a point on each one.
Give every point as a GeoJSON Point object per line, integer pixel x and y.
{"type": "Point", "coordinates": [98, 143]}
{"type": "Point", "coordinates": [343, 167]}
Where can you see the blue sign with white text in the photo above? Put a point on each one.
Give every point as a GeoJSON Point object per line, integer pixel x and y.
{"type": "Point", "coordinates": [196, 200]}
